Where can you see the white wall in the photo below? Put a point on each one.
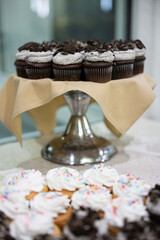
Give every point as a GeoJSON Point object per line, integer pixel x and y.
{"type": "Point", "coordinates": [146, 26]}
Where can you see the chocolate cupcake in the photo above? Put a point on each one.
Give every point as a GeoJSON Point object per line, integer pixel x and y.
{"type": "Point", "coordinates": [98, 63]}
{"type": "Point", "coordinates": [140, 51]}
{"type": "Point", "coordinates": [4, 228]}
{"type": "Point", "coordinates": [67, 63]}
{"type": "Point", "coordinates": [153, 203]}
{"type": "Point", "coordinates": [39, 62]}
{"type": "Point", "coordinates": [85, 224]}
{"type": "Point", "coordinates": [141, 230]}
{"type": "Point", "coordinates": [124, 56]}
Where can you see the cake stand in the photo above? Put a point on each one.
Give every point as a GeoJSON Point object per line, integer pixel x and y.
{"type": "Point", "coordinates": [78, 145]}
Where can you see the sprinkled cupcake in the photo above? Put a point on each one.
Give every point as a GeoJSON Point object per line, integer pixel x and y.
{"type": "Point", "coordinates": [85, 224]}
{"type": "Point", "coordinates": [65, 180]}
{"type": "Point", "coordinates": [101, 174]}
{"type": "Point", "coordinates": [121, 209]}
{"type": "Point", "coordinates": [29, 181]}
{"type": "Point", "coordinates": [67, 64]}
{"type": "Point", "coordinates": [129, 186]}
{"type": "Point", "coordinates": [92, 196]}
{"type": "Point", "coordinates": [54, 204]}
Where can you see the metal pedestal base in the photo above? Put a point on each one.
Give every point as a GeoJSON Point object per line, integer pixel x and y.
{"type": "Point", "coordinates": [78, 145]}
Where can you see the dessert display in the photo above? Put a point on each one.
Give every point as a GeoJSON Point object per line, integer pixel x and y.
{"type": "Point", "coordinates": [93, 212]}
{"type": "Point", "coordinates": [74, 60]}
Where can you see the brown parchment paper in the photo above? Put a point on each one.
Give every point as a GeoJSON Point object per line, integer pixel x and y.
{"type": "Point", "coordinates": [122, 101]}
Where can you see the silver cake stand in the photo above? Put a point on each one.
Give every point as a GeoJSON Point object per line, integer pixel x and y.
{"type": "Point", "coordinates": [78, 145]}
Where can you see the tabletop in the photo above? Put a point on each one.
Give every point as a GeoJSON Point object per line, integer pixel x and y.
{"type": "Point", "coordinates": [138, 152]}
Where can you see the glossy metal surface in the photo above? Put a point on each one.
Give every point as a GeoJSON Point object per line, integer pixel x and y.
{"type": "Point", "coordinates": [78, 145]}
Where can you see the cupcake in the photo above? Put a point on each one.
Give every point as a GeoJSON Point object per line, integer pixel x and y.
{"type": "Point", "coordinates": [92, 196]}
{"type": "Point", "coordinates": [139, 230]}
{"type": "Point", "coordinates": [121, 209]}
{"type": "Point", "coordinates": [153, 203]}
{"type": "Point", "coordinates": [13, 202]}
{"type": "Point", "coordinates": [140, 51]}
{"type": "Point", "coordinates": [29, 181]}
{"type": "Point", "coordinates": [54, 204]}
{"type": "Point", "coordinates": [27, 226]}
{"type": "Point", "coordinates": [67, 64]}
{"type": "Point", "coordinates": [85, 224]}
{"type": "Point", "coordinates": [64, 179]}
{"type": "Point", "coordinates": [98, 64]}
{"type": "Point", "coordinates": [39, 62]}
{"type": "Point", "coordinates": [124, 56]}
{"type": "Point", "coordinates": [20, 62]}
{"type": "Point", "coordinates": [129, 186]}
{"type": "Point", "coordinates": [101, 174]}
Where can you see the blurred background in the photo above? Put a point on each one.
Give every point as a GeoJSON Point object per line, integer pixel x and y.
{"type": "Point", "coordinates": [22, 21]}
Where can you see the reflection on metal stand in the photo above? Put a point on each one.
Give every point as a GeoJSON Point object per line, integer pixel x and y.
{"type": "Point", "coordinates": [78, 145]}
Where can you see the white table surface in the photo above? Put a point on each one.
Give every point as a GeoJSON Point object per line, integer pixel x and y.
{"type": "Point", "coordinates": [138, 152]}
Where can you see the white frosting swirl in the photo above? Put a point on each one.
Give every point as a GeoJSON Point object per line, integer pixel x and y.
{"type": "Point", "coordinates": [94, 197]}
{"type": "Point", "coordinates": [26, 227]}
{"type": "Point", "coordinates": [40, 57]}
{"type": "Point", "coordinates": [13, 203]}
{"type": "Point", "coordinates": [22, 55]}
{"type": "Point", "coordinates": [128, 185]}
{"type": "Point", "coordinates": [64, 178]}
{"type": "Point", "coordinates": [120, 209]}
{"type": "Point", "coordinates": [96, 56]}
{"type": "Point", "coordinates": [140, 52]}
{"type": "Point", "coordinates": [124, 55]}
{"type": "Point", "coordinates": [27, 181]}
{"type": "Point", "coordinates": [51, 203]}
{"type": "Point", "coordinates": [62, 59]}
{"type": "Point", "coordinates": [100, 174]}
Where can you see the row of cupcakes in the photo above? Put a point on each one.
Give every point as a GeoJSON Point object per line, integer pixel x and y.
{"type": "Point", "coordinates": [37, 204]}
{"type": "Point", "coordinates": [86, 61]}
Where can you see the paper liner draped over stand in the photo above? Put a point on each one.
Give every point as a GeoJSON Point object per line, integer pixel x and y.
{"type": "Point", "coordinates": [122, 101]}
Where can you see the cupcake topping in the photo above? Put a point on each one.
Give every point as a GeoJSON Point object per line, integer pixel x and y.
{"type": "Point", "coordinates": [120, 209]}
{"type": "Point", "coordinates": [26, 227]}
{"type": "Point", "coordinates": [32, 47]}
{"type": "Point", "coordinates": [51, 203]}
{"type": "Point", "coordinates": [95, 197]}
{"type": "Point", "coordinates": [13, 202]}
{"type": "Point", "coordinates": [27, 180]}
{"type": "Point", "coordinates": [64, 178]}
{"type": "Point", "coordinates": [101, 174]}
{"type": "Point", "coordinates": [130, 186]}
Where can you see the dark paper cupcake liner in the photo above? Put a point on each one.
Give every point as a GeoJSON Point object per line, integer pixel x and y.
{"type": "Point", "coordinates": [38, 73]}
{"type": "Point", "coordinates": [67, 74]}
{"type": "Point", "coordinates": [101, 74]}
{"type": "Point", "coordinates": [122, 71]}
{"type": "Point", "coordinates": [21, 71]}
{"type": "Point", "coordinates": [138, 67]}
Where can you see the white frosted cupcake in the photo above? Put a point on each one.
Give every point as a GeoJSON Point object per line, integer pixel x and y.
{"type": "Point", "coordinates": [92, 196]}
{"type": "Point", "coordinates": [121, 209]}
{"type": "Point", "coordinates": [101, 174]}
{"type": "Point", "coordinates": [12, 202]}
{"type": "Point", "coordinates": [29, 181]}
{"type": "Point", "coordinates": [54, 204]}
{"type": "Point", "coordinates": [28, 226]}
{"type": "Point", "coordinates": [140, 52]}
{"type": "Point", "coordinates": [129, 186]}
{"type": "Point", "coordinates": [64, 179]}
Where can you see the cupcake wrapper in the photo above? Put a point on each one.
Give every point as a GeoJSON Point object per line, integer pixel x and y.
{"type": "Point", "coordinates": [138, 67]}
{"type": "Point", "coordinates": [102, 74]}
{"type": "Point", "coordinates": [67, 74]}
{"type": "Point", "coordinates": [21, 71]}
{"type": "Point", "coordinates": [122, 71]}
{"type": "Point", "coordinates": [38, 73]}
